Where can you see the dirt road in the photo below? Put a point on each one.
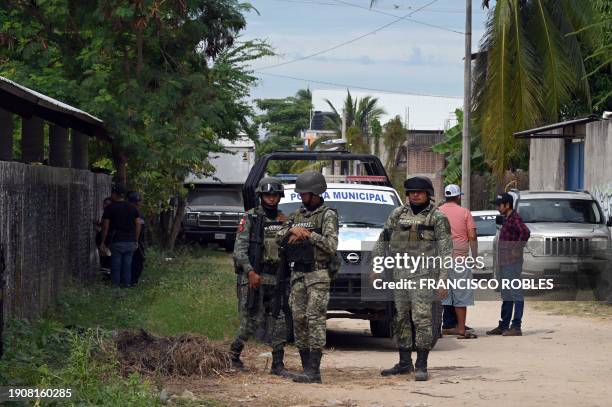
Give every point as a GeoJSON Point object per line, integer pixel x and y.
{"type": "Point", "coordinates": [560, 361]}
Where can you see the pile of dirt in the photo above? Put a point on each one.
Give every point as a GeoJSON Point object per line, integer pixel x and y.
{"type": "Point", "coordinates": [185, 355]}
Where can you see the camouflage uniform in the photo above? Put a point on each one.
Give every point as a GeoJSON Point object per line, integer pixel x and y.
{"type": "Point", "coordinates": [310, 290]}
{"type": "Point", "coordinates": [435, 241]}
{"type": "Point", "coordinates": [250, 322]}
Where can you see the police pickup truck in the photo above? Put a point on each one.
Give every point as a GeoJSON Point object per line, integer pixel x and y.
{"type": "Point", "coordinates": [363, 203]}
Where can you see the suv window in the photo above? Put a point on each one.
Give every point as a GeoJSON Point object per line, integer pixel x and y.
{"type": "Point", "coordinates": [559, 210]}
{"type": "Point", "coordinates": [214, 197]}
{"type": "Point", "coordinates": [352, 213]}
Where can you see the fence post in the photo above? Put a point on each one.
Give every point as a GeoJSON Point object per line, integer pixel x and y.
{"type": "Point", "coordinates": [32, 140]}
{"type": "Point", "coordinates": [58, 146]}
{"type": "Point", "coordinates": [6, 135]}
{"type": "Point", "coordinates": [80, 156]}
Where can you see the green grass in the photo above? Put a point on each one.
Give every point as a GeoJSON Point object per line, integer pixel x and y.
{"type": "Point", "coordinates": [72, 347]}
{"type": "Point", "coordinates": [193, 291]}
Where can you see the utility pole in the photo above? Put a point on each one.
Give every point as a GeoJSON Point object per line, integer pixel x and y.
{"type": "Point", "coordinates": [467, 107]}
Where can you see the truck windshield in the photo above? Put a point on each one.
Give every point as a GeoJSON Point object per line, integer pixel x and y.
{"type": "Point", "coordinates": [352, 213]}
{"type": "Point", "coordinates": [559, 210]}
{"type": "Point", "coordinates": [485, 225]}
{"type": "Point", "coordinates": [214, 197]}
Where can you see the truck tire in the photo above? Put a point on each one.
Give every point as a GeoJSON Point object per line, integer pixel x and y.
{"type": "Point", "coordinates": [381, 328]}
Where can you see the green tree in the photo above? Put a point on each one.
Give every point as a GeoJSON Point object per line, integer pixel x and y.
{"type": "Point", "coordinates": [168, 78]}
{"type": "Point", "coordinates": [393, 136]}
{"type": "Point", "coordinates": [283, 119]}
{"type": "Point", "coordinates": [531, 68]}
{"type": "Point", "coordinates": [359, 113]}
{"type": "Point", "coordinates": [376, 133]}
{"type": "Point", "coordinates": [451, 147]}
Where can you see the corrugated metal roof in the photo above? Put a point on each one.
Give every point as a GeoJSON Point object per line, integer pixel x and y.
{"type": "Point", "coordinates": [27, 102]}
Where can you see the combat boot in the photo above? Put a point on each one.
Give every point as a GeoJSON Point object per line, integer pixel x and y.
{"type": "Point", "coordinates": [403, 367]}
{"type": "Point", "coordinates": [235, 351]}
{"type": "Point", "coordinates": [278, 366]}
{"type": "Point", "coordinates": [305, 357]}
{"type": "Point", "coordinates": [420, 374]}
{"type": "Point", "coordinates": [313, 373]}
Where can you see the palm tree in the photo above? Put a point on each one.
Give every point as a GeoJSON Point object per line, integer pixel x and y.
{"type": "Point", "coordinates": [359, 113]}
{"type": "Point", "coordinates": [530, 68]}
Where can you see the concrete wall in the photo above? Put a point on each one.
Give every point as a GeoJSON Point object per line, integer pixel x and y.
{"type": "Point", "coordinates": [46, 232]}
{"type": "Point", "coordinates": [598, 163]}
{"type": "Point", "coordinates": [547, 163]}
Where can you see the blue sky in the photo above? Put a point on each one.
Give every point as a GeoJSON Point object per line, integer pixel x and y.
{"type": "Point", "coordinates": [403, 57]}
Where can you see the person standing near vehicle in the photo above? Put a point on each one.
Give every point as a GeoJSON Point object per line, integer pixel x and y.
{"type": "Point", "coordinates": [311, 238]}
{"type": "Point", "coordinates": [463, 232]}
{"type": "Point", "coordinates": [120, 224]}
{"type": "Point", "coordinates": [257, 262]}
{"type": "Point", "coordinates": [513, 237]}
{"type": "Point", "coordinates": [420, 230]}
{"type": "Point", "coordinates": [138, 258]}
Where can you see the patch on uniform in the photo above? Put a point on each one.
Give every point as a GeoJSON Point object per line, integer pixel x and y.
{"type": "Point", "coordinates": [241, 225]}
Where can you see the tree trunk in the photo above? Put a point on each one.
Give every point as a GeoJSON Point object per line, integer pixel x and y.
{"type": "Point", "coordinates": [176, 223]}
{"type": "Point", "coordinates": [120, 161]}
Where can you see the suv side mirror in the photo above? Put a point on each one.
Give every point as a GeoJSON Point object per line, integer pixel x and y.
{"type": "Point", "coordinates": [499, 220]}
{"type": "Point", "coordinates": [609, 222]}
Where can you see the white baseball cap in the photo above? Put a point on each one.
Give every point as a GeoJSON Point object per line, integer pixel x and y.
{"type": "Point", "coordinates": [452, 190]}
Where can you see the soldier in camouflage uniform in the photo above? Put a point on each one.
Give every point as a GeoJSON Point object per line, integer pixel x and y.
{"type": "Point", "coordinates": [261, 280]}
{"type": "Point", "coordinates": [419, 229]}
{"type": "Point", "coordinates": [312, 232]}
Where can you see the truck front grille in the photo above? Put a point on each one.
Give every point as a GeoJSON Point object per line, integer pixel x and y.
{"type": "Point", "coordinates": [346, 286]}
{"type": "Point", "coordinates": [218, 220]}
{"type": "Point", "coordinates": [566, 246]}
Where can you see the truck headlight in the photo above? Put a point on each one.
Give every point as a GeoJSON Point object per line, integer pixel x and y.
{"type": "Point", "coordinates": [535, 245]}
{"type": "Point", "coordinates": [599, 243]}
{"type": "Point", "coordinates": [191, 216]}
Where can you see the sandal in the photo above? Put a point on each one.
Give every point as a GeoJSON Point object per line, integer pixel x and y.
{"type": "Point", "coordinates": [467, 335]}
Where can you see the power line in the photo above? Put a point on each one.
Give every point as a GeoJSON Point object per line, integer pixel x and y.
{"type": "Point", "coordinates": [398, 18]}
{"type": "Point", "coordinates": [344, 85]}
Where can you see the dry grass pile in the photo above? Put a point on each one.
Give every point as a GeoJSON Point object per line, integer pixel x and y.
{"type": "Point", "coordinates": [184, 355]}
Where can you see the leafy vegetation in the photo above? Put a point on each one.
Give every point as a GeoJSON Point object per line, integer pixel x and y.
{"type": "Point", "coordinates": [168, 78]}
{"type": "Point", "coordinates": [451, 147]}
{"type": "Point", "coordinates": [530, 69]}
{"type": "Point", "coordinates": [360, 113]}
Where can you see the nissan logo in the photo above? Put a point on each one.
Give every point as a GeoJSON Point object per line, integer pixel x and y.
{"type": "Point", "coordinates": [352, 258]}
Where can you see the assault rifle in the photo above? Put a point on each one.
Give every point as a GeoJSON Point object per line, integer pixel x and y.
{"type": "Point", "coordinates": [255, 253]}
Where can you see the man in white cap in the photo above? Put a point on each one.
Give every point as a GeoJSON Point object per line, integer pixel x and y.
{"type": "Point", "coordinates": [463, 232]}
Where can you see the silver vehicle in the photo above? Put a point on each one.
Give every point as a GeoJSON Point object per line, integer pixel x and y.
{"type": "Point", "coordinates": [569, 236]}
{"type": "Point", "coordinates": [485, 230]}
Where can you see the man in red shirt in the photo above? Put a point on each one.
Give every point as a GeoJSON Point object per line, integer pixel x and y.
{"type": "Point", "coordinates": [463, 232]}
{"type": "Point", "coordinates": [513, 237]}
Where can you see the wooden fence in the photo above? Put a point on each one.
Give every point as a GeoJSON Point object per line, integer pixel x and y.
{"type": "Point", "coordinates": [47, 234]}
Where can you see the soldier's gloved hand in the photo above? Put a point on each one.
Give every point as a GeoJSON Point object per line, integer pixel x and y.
{"type": "Point", "coordinates": [300, 233]}
{"type": "Point", "coordinates": [442, 293]}
{"type": "Point", "coordinates": [254, 279]}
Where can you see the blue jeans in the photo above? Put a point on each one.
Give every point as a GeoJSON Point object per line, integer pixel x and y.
{"type": "Point", "coordinates": [512, 299]}
{"type": "Point", "coordinates": [121, 263]}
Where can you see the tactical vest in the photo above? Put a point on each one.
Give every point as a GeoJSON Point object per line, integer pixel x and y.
{"type": "Point", "coordinates": [270, 251]}
{"type": "Point", "coordinates": [413, 234]}
{"type": "Point", "coordinates": [313, 221]}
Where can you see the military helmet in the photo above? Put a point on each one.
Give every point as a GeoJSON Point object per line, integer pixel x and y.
{"type": "Point", "coordinates": [419, 184]}
{"type": "Point", "coordinates": [270, 185]}
{"type": "Point", "coordinates": [310, 181]}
